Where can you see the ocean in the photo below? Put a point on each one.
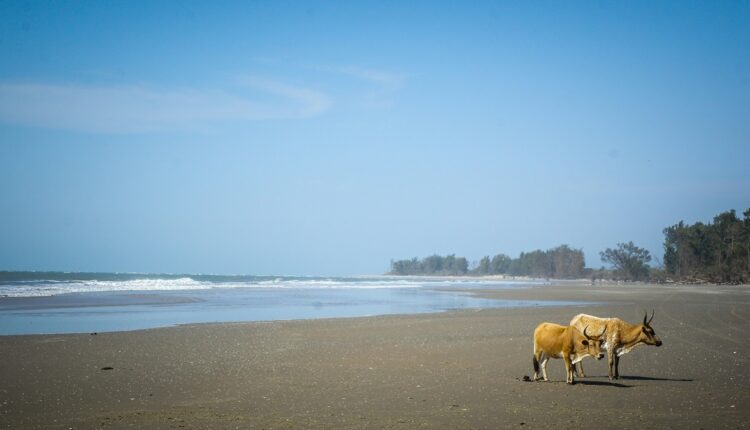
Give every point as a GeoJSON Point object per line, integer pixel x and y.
{"type": "Point", "coordinates": [60, 302]}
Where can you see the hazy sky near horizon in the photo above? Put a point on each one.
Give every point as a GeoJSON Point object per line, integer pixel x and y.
{"type": "Point", "coordinates": [326, 138]}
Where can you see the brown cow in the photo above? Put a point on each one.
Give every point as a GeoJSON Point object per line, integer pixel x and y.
{"type": "Point", "coordinates": [621, 338]}
{"type": "Point", "coordinates": [557, 341]}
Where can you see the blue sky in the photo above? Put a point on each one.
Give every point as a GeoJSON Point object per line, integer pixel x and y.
{"type": "Point", "coordinates": [326, 138]}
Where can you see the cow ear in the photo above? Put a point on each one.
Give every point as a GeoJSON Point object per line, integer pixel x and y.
{"type": "Point", "coordinates": [585, 342]}
{"type": "Point", "coordinates": [644, 330]}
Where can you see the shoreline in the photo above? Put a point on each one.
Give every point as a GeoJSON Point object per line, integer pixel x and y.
{"type": "Point", "coordinates": [522, 295]}
{"type": "Point", "coordinates": [116, 311]}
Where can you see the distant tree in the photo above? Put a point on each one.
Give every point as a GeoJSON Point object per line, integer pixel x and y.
{"type": "Point", "coordinates": [536, 263]}
{"type": "Point", "coordinates": [540, 264]}
{"type": "Point", "coordinates": [561, 262]}
{"type": "Point", "coordinates": [449, 264]}
{"type": "Point", "coordinates": [519, 266]}
{"type": "Point", "coordinates": [629, 261]}
{"type": "Point", "coordinates": [673, 243]}
{"type": "Point", "coordinates": [406, 267]}
{"type": "Point", "coordinates": [567, 262]}
{"type": "Point", "coordinates": [484, 266]}
{"type": "Point", "coordinates": [432, 264]}
{"type": "Point", "coordinates": [462, 266]}
{"type": "Point", "coordinates": [500, 264]}
{"type": "Point", "coordinates": [729, 231]}
{"type": "Point", "coordinates": [718, 251]}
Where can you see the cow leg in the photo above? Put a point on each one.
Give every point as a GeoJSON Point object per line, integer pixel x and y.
{"type": "Point", "coordinates": [545, 359]}
{"type": "Point", "coordinates": [569, 366]}
{"type": "Point", "coordinates": [617, 366]}
{"type": "Point", "coordinates": [579, 369]}
{"type": "Point", "coordinates": [540, 361]}
{"type": "Point", "coordinates": [611, 364]}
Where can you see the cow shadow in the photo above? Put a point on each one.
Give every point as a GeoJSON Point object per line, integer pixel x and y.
{"type": "Point", "coordinates": [601, 383]}
{"type": "Point", "coordinates": [650, 378]}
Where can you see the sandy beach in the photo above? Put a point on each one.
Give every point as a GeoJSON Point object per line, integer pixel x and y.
{"type": "Point", "coordinates": [460, 369]}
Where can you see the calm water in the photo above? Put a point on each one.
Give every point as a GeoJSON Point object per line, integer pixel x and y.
{"type": "Point", "coordinates": [34, 303]}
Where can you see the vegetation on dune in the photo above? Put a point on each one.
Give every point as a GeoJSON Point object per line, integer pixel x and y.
{"type": "Point", "coordinates": [713, 252]}
{"type": "Point", "coordinates": [432, 265]}
{"type": "Point", "coordinates": [560, 262]}
{"type": "Point", "coordinates": [629, 262]}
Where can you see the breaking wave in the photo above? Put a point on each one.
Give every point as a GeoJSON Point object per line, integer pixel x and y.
{"type": "Point", "coordinates": [66, 283]}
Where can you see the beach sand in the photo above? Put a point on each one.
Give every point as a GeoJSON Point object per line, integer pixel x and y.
{"type": "Point", "coordinates": [451, 370]}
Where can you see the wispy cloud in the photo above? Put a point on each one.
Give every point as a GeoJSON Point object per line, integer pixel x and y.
{"type": "Point", "coordinates": [304, 102]}
{"type": "Point", "coordinates": [135, 108]}
{"type": "Point", "coordinates": [381, 86]}
{"type": "Point", "coordinates": [385, 79]}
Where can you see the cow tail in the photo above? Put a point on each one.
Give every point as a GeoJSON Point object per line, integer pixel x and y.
{"type": "Point", "coordinates": [536, 364]}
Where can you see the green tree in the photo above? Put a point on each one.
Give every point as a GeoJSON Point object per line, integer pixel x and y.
{"type": "Point", "coordinates": [406, 267]}
{"type": "Point", "coordinates": [672, 245]}
{"type": "Point", "coordinates": [536, 263]}
{"type": "Point", "coordinates": [729, 231]}
{"type": "Point", "coordinates": [567, 262]}
{"type": "Point", "coordinates": [433, 264]}
{"type": "Point", "coordinates": [484, 266]}
{"type": "Point", "coordinates": [462, 266]}
{"type": "Point", "coordinates": [500, 264]}
{"type": "Point", "coordinates": [449, 264]}
{"type": "Point", "coordinates": [629, 261]}
{"type": "Point", "coordinates": [717, 251]}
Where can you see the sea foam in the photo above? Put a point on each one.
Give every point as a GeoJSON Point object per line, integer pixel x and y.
{"type": "Point", "coordinates": [130, 282]}
{"type": "Point", "coordinates": [39, 288]}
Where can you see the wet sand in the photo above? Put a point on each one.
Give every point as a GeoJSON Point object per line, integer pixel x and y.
{"type": "Point", "coordinates": [453, 370]}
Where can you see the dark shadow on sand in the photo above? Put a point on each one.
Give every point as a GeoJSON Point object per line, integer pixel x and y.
{"type": "Point", "coordinates": [578, 381]}
{"type": "Point", "coordinates": [601, 383]}
{"type": "Point", "coordinates": [649, 378]}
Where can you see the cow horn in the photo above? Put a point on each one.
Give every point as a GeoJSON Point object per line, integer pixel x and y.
{"type": "Point", "coordinates": [645, 316]}
{"type": "Point", "coordinates": [584, 332]}
{"type": "Point", "coordinates": [652, 317]}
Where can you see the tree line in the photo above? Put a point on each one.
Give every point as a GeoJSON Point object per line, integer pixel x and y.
{"type": "Point", "coordinates": [432, 265]}
{"type": "Point", "coordinates": [560, 262]}
{"type": "Point", "coordinates": [711, 252]}
{"type": "Point", "coordinates": [714, 252]}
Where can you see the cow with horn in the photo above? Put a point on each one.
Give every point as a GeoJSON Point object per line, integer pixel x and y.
{"type": "Point", "coordinates": [621, 337]}
{"type": "Point", "coordinates": [557, 341]}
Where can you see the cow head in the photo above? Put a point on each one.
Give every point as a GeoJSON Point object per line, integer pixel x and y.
{"type": "Point", "coordinates": [593, 344]}
{"type": "Point", "coordinates": [648, 335]}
